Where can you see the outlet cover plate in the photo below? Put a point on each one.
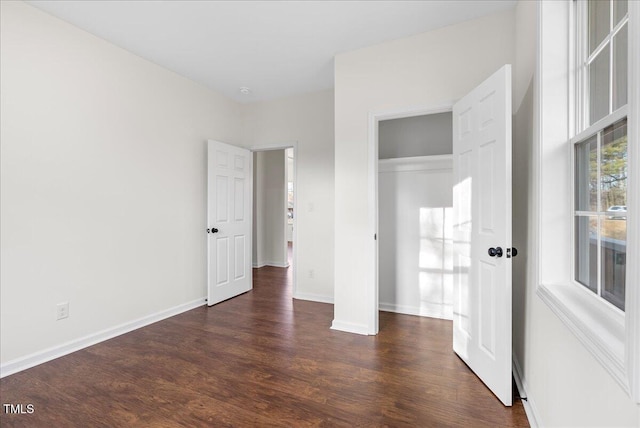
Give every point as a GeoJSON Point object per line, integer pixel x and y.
{"type": "Point", "coordinates": [62, 310]}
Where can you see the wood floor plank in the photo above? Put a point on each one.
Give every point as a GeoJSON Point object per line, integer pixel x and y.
{"type": "Point", "coordinates": [262, 359]}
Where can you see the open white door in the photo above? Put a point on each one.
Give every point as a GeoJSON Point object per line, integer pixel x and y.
{"type": "Point", "coordinates": [482, 232]}
{"type": "Point", "coordinates": [229, 218]}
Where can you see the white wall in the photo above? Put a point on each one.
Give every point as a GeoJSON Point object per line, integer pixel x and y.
{"type": "Point", "coordinates": [307, 119]}
{"type": "Point", "coordinates": [566, 386]}
{"type": "Point", "coordinates": [269, 208]}
{"type": "Point", "coordinates": [431, 69]}
{"type": "Point", "coordinates": [425, 135]}
{"type": "Point", "coordinates": [415, 196]}
{"type": "Point", "coordinates": [103, 163]}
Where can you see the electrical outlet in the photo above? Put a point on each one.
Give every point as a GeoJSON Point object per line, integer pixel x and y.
{"type": "Point", "coordinates": [62, 311]}
{"type": "Point", "coordinates": [311, 273]}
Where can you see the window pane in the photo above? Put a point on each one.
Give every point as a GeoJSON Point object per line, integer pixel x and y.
{"type": "Point", "coordinates": [613, 169]}
{"type": "Point", "coordinates": [619, 10]}
{"type": "Point", "coordinates": [620, 51]}
{"type": "Point", "coordinates": [598, 22]}
{"type": "Point", "coordinates": [586, 171]}
{"type": "Point", "coordinates": [613, 253]}
{"type": "Point", "coordinates": [599, 86]}
{"type": "Point", "coordinates": [587, 252]}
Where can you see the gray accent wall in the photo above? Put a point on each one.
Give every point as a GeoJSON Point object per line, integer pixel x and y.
{"type": "Point", "coordinates": [416, 136]}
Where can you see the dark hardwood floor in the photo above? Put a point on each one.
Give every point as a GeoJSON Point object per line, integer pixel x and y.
{"type": "Point", "coordinates": [261, 359]}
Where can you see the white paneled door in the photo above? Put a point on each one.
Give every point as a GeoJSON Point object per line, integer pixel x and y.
{"type": "Point", "coordinates": [482, 232]}
{"type": "Point", "coordinates": [229, 221]}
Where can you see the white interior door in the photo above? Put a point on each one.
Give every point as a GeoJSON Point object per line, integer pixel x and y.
{"type": "Point", "coordinates": [482, 232]}
{"type": "Point", "coordinates": [229, 222]}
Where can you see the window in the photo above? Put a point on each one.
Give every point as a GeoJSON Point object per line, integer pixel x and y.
{"type": "Point", "coordinates": [600, 149]}
{"type": "Point", "coordinates": [601, 54]}
{"type": "Point", "coordinates": [587, 177]}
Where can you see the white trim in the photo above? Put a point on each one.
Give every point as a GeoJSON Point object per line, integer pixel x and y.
{"type": "Point", "coordinates": [296, 213]}
{"type": "Point", "coordinates": [372, 196]}
{"type": "Point", "coordinates": [311, 297]}
{"type": "Point", "coordinates": [440, 311]}
{"type": "Point", "coordinates": [272, 264]}
{"type": "Point", "coordinates": [413, 111]}
{"type": "Point", "coordinates": [589, 320]}
{"type": "Point", "coordinates": [294, 256]}
{"type": "Point", "coordinates": [530, 409]}
{"type": "Point", "coordinates": [632, 303]}
{"type": "Point", "coordinates": [349, 327]}
{"type": "Point", "coordinates": [578, 47]}
{"type": "Point", "coordinates": [32, 360]}
{"type": "Point", "coordinates": [608, 120]}
{"type": "Point", "coordinates": [517, 377]}
{"type": "Point", "coordinates": [416, 163]}
{"type": "Point", "coordinates": [274, 146]}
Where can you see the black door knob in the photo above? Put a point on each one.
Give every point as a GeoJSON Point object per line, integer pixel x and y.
{"type": "Point", "coordinates": [212, 230]}
{"type": "Point", "coordinates": [495, 252]}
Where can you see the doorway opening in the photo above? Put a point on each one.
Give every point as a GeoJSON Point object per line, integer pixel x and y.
{"type": "Point", "coordinates": [375, 120]}
{"type": "Point", "coordinates": [415, 204]}
{"type": "Point", "coordinates": [290, 204]}
{"type": "Point", "coordinates": [274, 209]}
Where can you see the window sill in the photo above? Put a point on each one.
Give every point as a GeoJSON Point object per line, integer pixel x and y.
{"type": "Point", "coordinates": [599, 328]}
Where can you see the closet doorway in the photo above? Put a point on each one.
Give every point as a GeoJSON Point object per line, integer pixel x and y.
{"type": "Point", "coordinates": [415, 204]}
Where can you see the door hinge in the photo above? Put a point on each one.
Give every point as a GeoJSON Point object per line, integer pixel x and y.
{"type": "Point", "coordinates": [375, 236]}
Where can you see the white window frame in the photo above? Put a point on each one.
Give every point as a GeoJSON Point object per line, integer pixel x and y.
{"type": "Point", "coordinates": [592, 130]}
{"type": "Point", "coordinates": [612, 336]}
{"type": "Point", "coordinates": [582, 129]}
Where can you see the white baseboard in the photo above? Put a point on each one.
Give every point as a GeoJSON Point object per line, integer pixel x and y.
{"type": "Point", "coordinates": [273, 264]}
{"type": "Point", "coordinates": [444, 312]}
{"type": "Point", "coordinates": [350, 327]}
{"type": "Point", "coordinates": [31, 360]}
{"type": "Point", "coordinates": [313, 297]}
{"type": "Point", "coordinates": [529, 406]}
{"type": "Point", "coordinates": [277, 264]}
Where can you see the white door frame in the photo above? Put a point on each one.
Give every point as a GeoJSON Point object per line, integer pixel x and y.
{"type": "Point", "coordinates": [372, 195]}
{"type": "Point", "coordinates": [283, 146]}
